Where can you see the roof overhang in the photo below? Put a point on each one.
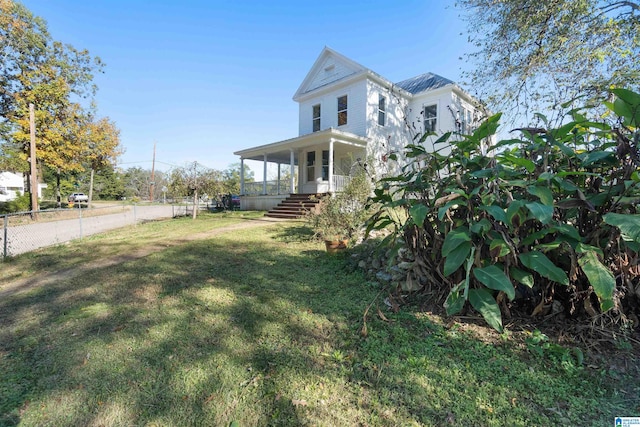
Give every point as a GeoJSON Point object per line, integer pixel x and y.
{"type": "Point", "coordinates": [280, 152]}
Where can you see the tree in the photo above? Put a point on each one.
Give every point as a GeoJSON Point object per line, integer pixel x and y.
{"type": "Point", "coordinates": [109, 184]}
{"type": "Point", "coordinates": [136, 182]}
{"type": "Point", "coordinates": [102, 141]}
{"type": "Point", "coordinates": [37, 70]}
{"type": "Point", "coordinates": [532, 54]}
{"type": "Point", "coordinates": [232, 177]}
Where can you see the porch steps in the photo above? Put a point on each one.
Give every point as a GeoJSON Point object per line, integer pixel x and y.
{"type": "Point", "coordinates": [294, 206]}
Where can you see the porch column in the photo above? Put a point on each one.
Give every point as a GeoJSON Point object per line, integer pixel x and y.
{"type": "Point", "coordinates": [331, 166]}
{"type": "Point", "coordinates": [242, 176]}
{"type": "Point", "coordinates": [278, 185]}
{"type": "Point", "coordinates": [292, 161]}
{"type": "Point", "coordinates": [264, 175]}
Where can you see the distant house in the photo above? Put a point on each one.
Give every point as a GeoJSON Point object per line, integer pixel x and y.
{"type": "Point", "coordinates": [13, 183]}
{"type": "Point", "coordinates": [348, 112]}
{"type": "Point", "coordinates": [10, 185]}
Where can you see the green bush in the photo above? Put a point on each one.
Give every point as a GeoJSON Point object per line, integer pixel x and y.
{"type": "Point", "coordinates": [545, 218]}
{"type": "Point", "coordinates": [342, 215]}
{"type": "Point", "coordinates": [20, 204]}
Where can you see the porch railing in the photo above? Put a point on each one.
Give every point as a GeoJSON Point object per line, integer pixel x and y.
{"type": "Point", "coordinates": [257, 188]}
{"type": "Point", "coordinates": [340, 182]}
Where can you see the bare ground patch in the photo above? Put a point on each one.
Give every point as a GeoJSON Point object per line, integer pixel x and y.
{"type": "Point", "coordinates": [42, 279]}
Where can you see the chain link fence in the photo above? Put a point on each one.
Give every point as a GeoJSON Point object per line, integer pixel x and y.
{"type": "Point", "coordinates": [25, 231]}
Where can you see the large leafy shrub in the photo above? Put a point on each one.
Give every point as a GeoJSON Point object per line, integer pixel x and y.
{"type": "Point", "coordinates": [342, 215]}
{"type": "Point", "coordinates": [526, 222]}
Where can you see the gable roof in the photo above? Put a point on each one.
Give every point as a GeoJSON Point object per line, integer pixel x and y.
{"type": "Point", "coordinates": [423, 83]}
{"type": "Point", "coordinates": [330, 67]}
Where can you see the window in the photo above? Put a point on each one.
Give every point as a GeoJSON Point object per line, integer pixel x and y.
{"type": "Point", "coordinates": [316, 118]}
{"type": "Point", "coordinates": [311, 162]}
{"type": "Point", "coordinates": [464, 121]}
{"type": "Point", "coordinates": [325, 165]}
{"type": "Point", "coordinates": [461, 121]}
{"type": "Point", "coordinates": [382, 110]}
{"type": "Point", "coordinates": [430, 118]}
{"type": "Point", "coordinates": [342, 110]}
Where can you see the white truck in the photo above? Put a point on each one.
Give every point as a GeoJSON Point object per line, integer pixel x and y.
{"type": "Point", "coordinates": [78, 198]}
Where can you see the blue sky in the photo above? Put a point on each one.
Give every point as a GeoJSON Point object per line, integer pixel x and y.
{"type": "Point", "coordinates": [203, 79]}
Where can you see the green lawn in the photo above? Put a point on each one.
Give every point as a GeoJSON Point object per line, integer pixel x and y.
{"type": "Point", "coordinates": [260, 327]}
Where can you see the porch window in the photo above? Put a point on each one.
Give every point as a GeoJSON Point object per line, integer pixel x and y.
{"type": "Point", "coordinates": [430, 118]}
{"type": "Point", "coordinates": [325, 165]}
{"type": "Point", "coordinates": [311, 162]}
{"type": "Point", "coordinates": [382, 110]}
{"type": "Point", "coordinates": [342, 110]}
{"type": "Point", "coordinates": [316, 118]}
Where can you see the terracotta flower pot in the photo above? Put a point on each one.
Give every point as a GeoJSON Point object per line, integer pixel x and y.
{"type": "Point", "coordinates": [334, 246]}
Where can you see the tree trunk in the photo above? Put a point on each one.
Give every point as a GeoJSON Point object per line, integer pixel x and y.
{"type": "Point", "coordinates": [195, 203]}
{"type": "Point", "coordinates": [58, 201]}
{"type": "Point", "coordinates": [91, 188]}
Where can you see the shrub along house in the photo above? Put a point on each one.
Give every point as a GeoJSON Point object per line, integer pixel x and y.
{"type": "Point", "coordinates": [349, 113]}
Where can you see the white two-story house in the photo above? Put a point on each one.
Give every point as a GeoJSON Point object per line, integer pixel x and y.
{"type": "Point", "coordinates": [348, 113]}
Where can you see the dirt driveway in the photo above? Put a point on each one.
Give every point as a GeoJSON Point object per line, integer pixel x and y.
{"type": "Point", "coordinates": [21, 285]}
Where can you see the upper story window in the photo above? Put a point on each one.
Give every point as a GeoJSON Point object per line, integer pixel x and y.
{"type": "Point", "coordinates": [430, 118]}
{"type": "Point", "coordinates": [464, 121]}
{"type": "Point", "coordinates": [316, 118]}
{"type": "Point", "coordinates": [382, 110]}
{"type": "Point", "coordinates": [342, 110]}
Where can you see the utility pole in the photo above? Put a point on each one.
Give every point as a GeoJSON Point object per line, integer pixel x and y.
{"type": "Point", "coordinates": [153, 174]}
{"type": "Point", "coordinates": [32, 158]}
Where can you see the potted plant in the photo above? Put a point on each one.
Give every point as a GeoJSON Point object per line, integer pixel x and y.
{"type": "Point", "coordinates": [340, 216]}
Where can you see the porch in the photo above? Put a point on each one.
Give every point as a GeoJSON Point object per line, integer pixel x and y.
{"type": "Point", "coordinates": [320, 162]}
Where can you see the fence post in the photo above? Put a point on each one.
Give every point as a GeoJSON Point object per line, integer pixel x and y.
{"type": "Point", "coordinates": [134, 214]}
{"type": "Point", "coordinates": [80, 209]}
{"type": "Point", "coordinates": [4, 240]}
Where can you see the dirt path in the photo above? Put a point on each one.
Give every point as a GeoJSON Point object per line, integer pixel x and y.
{"type": "Point", "coordinates": [43, 279]}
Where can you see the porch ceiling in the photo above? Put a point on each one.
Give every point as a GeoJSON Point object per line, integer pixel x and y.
{"type": "Point", "coordinates": [279, 152]}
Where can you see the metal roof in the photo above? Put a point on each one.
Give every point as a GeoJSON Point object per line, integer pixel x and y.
{"type": "Point", "coordinates": [423, 83]}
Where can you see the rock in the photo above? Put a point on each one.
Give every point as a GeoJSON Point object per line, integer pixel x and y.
{"type": "Point", "coordinates": [406, 266]}
{"type": "Point", "coordinates": [375, 263]}
{"type": "Point", "coordinates": [383, 276]}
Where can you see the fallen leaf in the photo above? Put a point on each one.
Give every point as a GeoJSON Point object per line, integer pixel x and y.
{"type": "Point", "coordinates": [364, 332]}
{"type": "Point", "coordinates": [299, 402]}
{"type": "Point", "coordinates": [381, 315]}
{"type": "Point", "coordinates": [539, 308]}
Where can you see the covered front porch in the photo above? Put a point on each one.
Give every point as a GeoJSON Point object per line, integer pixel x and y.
{"type": "Point", "coordinates": [319, 162]}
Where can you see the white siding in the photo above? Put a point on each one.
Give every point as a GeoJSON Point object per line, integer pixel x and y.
{"type": "Point", "coordinates": [394, 135]}
{"type": "Point", "coordinates": [356, 110]}
{"type": "Point", "coordinates": [330, 71]}
{"type": "Point", "coordinates": [444, 120]}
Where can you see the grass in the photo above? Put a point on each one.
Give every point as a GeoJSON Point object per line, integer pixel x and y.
{"type": "Point", "coordinates": [261, 327]}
